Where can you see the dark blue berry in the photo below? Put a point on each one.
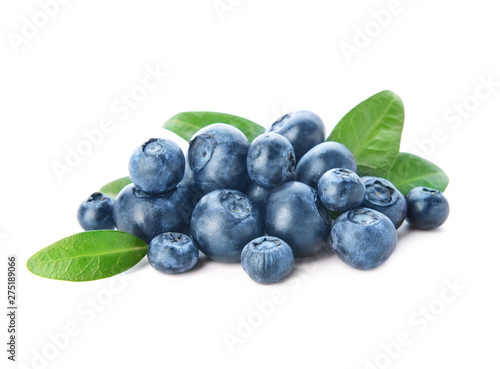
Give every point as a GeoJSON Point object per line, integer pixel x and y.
{"type": "Point", "coordinates": [172, 253]}
{"type": "Point", "coordinates": [96, 213]}
{"type": "Point", "coordinates": [341, 190]}
{"type": "Point", "coordinates": [427, 208]}
{"type": "Point", "coordinates": [295, 214]}
{"type": "Point", "coordinates": [303, 129]}
{"type": "Point", "coordinates": [267, 259]}
{"type": "Point", "coordinates": [157, 166]}
{"type": "Point", "coordinates": [271, 160]}
{"type": "Point", "coordinates": [218, 157]}
{"type": "Point", "coordinates": [146, 216]}
{"type": "Point", "coordinates": [223, 222]}
{"type": "Point", "coordinates": [383, 196]}
{"type": "Point", "coordinates": [363, 238]}
{"type": "Point", "coordinates": [320, 159]}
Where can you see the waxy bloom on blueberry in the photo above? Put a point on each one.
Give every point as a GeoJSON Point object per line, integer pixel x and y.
{"type": "Point", "coordinates": [217, 156]}
{"type": "Point", "coordinates": [303, 129]}
{"type": "Point", "coordinates": [223, 222]}
{"type": "Point", "coordinates": [320, 159]}
{"type": "Point", "coordinates": [271, 160]}
{"type": "Point", "coordinates": [341, 190]}
{"type": "Point", "coordinates": [157, 166]}
{"type": "Point", "coordinates": [96, 213]}
{"type": "Point", "coordinates": [295, 214]}
{"type": "Point", "coordinates": [172, 253]}
{"type": "Point", "coordinates": [267, 259]}
{"type": "Point", "coordinates": [146, 216]}
{"type": "Point", "coordinates": [383, 196]}
{"type": "Point", "coordinates": [363, 238]}
{"type": "Point", "coordinates": [427, 208]}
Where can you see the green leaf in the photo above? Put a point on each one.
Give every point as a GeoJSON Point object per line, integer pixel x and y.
{"type": "Point", "coordinates": [372, 131]}
{"type": "Point", "coordinates": [410, 171]}
{"type": "Point", "coordinates": [88, 256]}
{"type": "Point", "coordinates": [113, 188]}
{"type": "Point", "coordinates": [188, 123]}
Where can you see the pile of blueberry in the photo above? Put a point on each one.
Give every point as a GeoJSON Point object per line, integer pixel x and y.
{"type": "Point", "coordinates": [263, 203]}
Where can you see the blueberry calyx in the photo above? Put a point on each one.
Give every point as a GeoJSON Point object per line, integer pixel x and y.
{"type": "Point", "coordinates": [175, 237]}
{"type": "Point", "coordinates": [280, 122]}
{"type": "Point", "coordinates": [153, 147]}
{"type": "Point", "coordinates": [380, 194]}
{"type": "Point", "coordinates": [203, 151]}
{"type": "Point", "coordinates": [266, 243]}
{"type": "Point", "coordinates": [235, 204]}
{"type": "Point", "coordinates": [342, 172]}
{"type": "Point", "coordinates": [430, 190]}
{"type": "Point", "coordinates": [363, 216]}
{"type": "Point", "coordinates": [96, 196]}
{"type": "Point", "coordinates": [139, 193]}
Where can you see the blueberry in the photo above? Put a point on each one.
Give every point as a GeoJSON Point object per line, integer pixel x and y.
{"type": "Point", "coordinates": [427, 208]}
{"type": "Point", "coordinates": [303, 129]}
{"type": "Point", "coordinates": [271, 160]}
{"type": "Point", "coordinates": [341, 190]}
{"type": "Point", "coordinates": [146, 216]}
{"type": "Point", "coordinates": [363, 238]}
{"type": "Point", "coordinates": [157, 166]}
{"type": "Point", "coordinates": [321, 158]}
{"type": "Point", "coordinates": [258, 195]}
{"type": "Point", "coordinates": [96, 213]}
{"type": "Point", "coordinates": [295, 214]}
{"type": "Point", "coordinates": [223, 222]}
{"type": "Point", "coordinates": [383, 196]}
{"type": "Point", "coordinates": [267, 259]}
{"type": "Point", "coordinates": [218, 158]}
{"type": "Point", "coordinates": [188, 181]}
{"type": "Point", "coordinates": [172, 253]}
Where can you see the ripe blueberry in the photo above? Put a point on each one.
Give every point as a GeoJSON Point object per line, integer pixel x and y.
{"type": "Point", "coordinates": [383, 196]}
{"type": "Point", "coordinates": [157, 166]}
{"type": "Point", "coordinates": [267, 260]}
{"type": "Point", "coordinates": [172, 253]}
{"type": "Point", "coordinates": [271, 160]}
{"type": "Point", "coordinates": [96, 213]}
{"type": "Point", "coordinates": [363, 238]}
{"type": "Point", "coordinates": [218, 157]}
{"type": "Point", "coordinates": [223, 222]}
{"type": "Point", "coordinates": [295, 214]}
{"type": "Point", "coordinates": [303, 129]}
{"type": "Point", "coordinates": [146, 216]}
{"type": "Point", "coordinates": [320, 159]}
{"type": "Point", "coordinates": [427, 208]}
{"type": "Point", "coordinates": [341, 190]}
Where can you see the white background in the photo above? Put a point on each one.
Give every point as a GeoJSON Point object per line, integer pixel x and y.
{"type": "Point", "coordinates": [259, 59]}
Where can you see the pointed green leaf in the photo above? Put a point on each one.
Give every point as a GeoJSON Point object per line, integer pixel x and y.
{"type": "Point", "coordinates": [410, 171]}
{"type": "Point", "coordinates": [88, 256]}
{"type": "Point", "coordinates": [113, 188]}
{"type": "Point", "coordinates": [188, 123]}
{"type": "Point", "coordinates": [372, 131]}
